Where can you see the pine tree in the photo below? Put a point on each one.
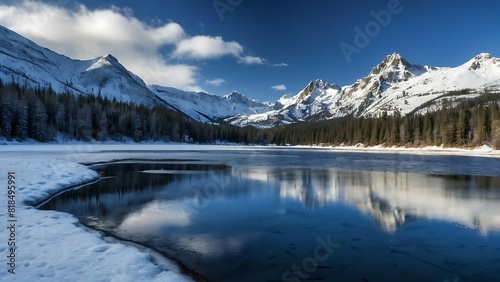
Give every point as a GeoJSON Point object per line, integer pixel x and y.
{"type": "Point", "coordinates": [395, 129]}
{"type": "Point", "coordinates": [428, 129]}
{"type": "Point", "coordinates": [480, 131]}
{"type": "Point", "coordinates": [462, 130]}
{"type": "Point", "coordinates": [417, 130]}
{"type": "Point", "coordinates": [136, 127]}
{"type": "Point", "coordinates": [102, 130]}
{"type": "Point", "coordinates": [21, 122]}
{"type": "Point", "coordinates": [495, 134]}
{"type": "Point", "coordinates": [6, 119]}
{"type": "Point", "coordinates": [60, 119]}
{"type": "Point", "coordinates": [448, 127]}
{"type": "Point", "coordinates": [40, 123]}
{"type": "Point", "coordinates": [84, 123]}
{"type": "Point", "coordinates": [374, 136]}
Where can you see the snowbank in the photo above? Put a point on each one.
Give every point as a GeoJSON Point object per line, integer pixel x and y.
{"type": "Point", "coordinates": [482, 151]}
{"type": "Point", "coordinates": [53, 246]}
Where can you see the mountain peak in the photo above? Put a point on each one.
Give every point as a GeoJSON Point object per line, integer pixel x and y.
{"type": "Point", "coordinates": [394, 68]}
{"type": "Point", "coordinates": [307, 94]}
{"type": "Point", "coordinates": [111, 58]}
{"type": "Point", "coordinates": [483, 56]}
{"type": "Point", "coordinates": [319, 83]}
{"type": "Point", "coordinates": [394, 56]}
{"type": "Point", "coordinates": [109, 61]}
{"type": "Point", "coordinates": [483, 60]}
{"type": "Point", "coordinates": [393, 61]}
{"type": "Point", "coordinates": [237, 97]}
{"type": "Point", "coordinates": [99, 62]}
{"type": "Point", "coordinates": [235, 93]}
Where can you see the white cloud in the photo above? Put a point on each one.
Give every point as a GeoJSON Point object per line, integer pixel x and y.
{"type": "Point", "coordinates": [280, 87]}
{"type": "Point", "coordinates": [251, 60]}
{"type": "Point", "coordinates": [142, 48]}
{"type": "Point", "coordinates": [207, 47]}
{"type": "Point", "coordinates": [280, 65]}
{"type": "Point", "coordinates": [86, 34]}
{"type": "Point", "coordinates": [216, 82]}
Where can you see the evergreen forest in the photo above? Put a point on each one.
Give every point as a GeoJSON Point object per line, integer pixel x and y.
{"type": "Point", "coordinates": [45, 116]}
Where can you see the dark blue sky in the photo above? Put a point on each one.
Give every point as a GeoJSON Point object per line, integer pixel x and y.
{"type": "Point", "coordinates": [306, 35]}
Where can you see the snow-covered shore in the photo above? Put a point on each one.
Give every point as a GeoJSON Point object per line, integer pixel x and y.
{"type": "Point", "coordinates": [53, 246]}
{"type": "Point", "coordinates": [80, 148]}
{"type": "Point", "coordinates": [482, 151]}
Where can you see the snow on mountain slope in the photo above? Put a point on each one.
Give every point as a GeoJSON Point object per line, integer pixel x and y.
{"type": "Point", "coordinates": [392, 71]}
{"type": "Point", "coordinates": [320, 100]}
{"type": "Point", "coordinates": [26, 63]}
{"type": "Point", "coordinates": [209, 108]}
{"type": "Point", "coordinates": [310, 103]}
{"type": "Point", "coordinates": [392, 86]}
{"type": "Point", "coordinates": [477, 76]}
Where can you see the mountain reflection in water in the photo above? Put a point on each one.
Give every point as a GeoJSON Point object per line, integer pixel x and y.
{"type": "Point", "coordinates": [208, 215]}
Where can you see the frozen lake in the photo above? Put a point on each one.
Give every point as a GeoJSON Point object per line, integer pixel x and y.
{"type": "Point", "coordinates": [302, 215]}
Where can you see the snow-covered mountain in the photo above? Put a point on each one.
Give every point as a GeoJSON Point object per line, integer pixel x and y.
{"type": "Point", "coordinates": [386, 76]}
{"type": "Point", "coordinates": [310, 103]}
{"type": "Point", "coordinates": [479, 75]}
{"type": "Point", "coordinates": [207, 107]}
{"type": "Point", "coordinates": [26, 63]}
{"type": "Point", "coordinates": [394, 85]}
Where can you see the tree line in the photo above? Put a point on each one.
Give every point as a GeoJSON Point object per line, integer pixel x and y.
{"type": "Point", "coordinates": [43, 115]}
{"type": "Point", "coordinates": [473, 122]}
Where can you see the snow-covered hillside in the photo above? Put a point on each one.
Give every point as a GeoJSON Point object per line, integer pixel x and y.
{"type": "Point", "coordinates": [205, 107]}
{"type": "Point", "coordinates": [477, 76]}
{"type": "Point", "coordinates": [386, 76]}
{"type": "Point", "coordinates": [310, 103]}
{"type": "Point", "coordinates": [394, 85]}
{"type": "Point", "coordinates": [26, 63]}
